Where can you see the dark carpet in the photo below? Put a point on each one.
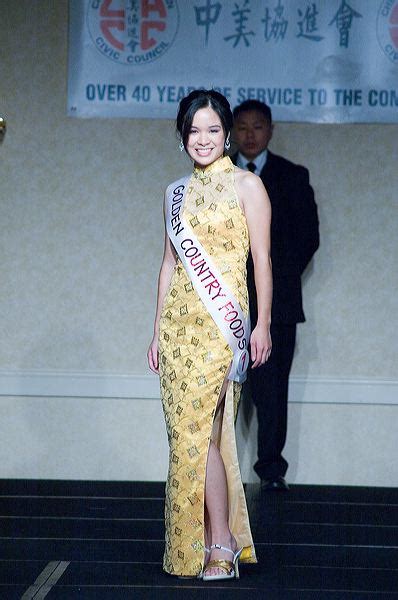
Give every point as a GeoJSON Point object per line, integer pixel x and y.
{"type": "Point", "coordinates": [104, 540]}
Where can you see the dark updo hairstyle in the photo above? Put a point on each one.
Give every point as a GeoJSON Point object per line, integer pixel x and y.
{"type": "Point", "coordinates": [202, 99]}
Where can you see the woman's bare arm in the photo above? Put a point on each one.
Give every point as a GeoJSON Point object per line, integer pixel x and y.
{"type": "Point", "coordinates": [257, 208]}
{"type": "Point", "coordinates": [166, 271]}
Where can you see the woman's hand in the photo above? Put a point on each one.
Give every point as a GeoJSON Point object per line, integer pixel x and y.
{"type": "Point", "coordinates": [153, 355]}
{"type": "Point", "coordinates": [260, 345]}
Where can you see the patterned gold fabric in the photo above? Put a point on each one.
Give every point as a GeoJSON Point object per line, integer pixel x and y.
{"type": "Point", "coordinates": [194, 361]}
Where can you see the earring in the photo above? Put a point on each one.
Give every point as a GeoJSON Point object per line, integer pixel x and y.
{"type": "Point", "coordinates": [227, 143]}
{"type": "Point", "coordinates": [181, 146]}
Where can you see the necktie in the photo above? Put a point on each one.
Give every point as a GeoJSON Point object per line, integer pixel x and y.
{"type": "Point", "coordinates": [251, 166]}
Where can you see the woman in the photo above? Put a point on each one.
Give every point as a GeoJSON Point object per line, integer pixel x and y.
{"type": "Point", "coordinates": [199, 341]}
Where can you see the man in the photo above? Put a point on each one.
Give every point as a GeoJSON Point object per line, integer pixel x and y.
{"type": "Point", "coordinates": [294, 240]}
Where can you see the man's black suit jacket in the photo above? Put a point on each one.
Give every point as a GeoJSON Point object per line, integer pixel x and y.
{"type": "Point", "coordinates": [294, 236]}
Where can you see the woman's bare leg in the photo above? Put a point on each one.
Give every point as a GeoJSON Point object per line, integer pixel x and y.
{"type": "Point", "coordinates": [216, 498]}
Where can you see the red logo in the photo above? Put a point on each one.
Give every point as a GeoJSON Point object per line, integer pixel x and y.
{"type": "Point", "coordinates": [387, 29]}
{"type": "Point", "coordinates": [134, 32]}
{"type": "Point", "coordinates": [393, 21]}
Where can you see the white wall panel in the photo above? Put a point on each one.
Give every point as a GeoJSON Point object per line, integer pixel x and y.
{"type": "Point", "coordinates": [81, 241]}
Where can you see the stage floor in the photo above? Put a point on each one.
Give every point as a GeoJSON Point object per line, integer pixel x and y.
{"type": "Point", "coordinates": [104, 540]}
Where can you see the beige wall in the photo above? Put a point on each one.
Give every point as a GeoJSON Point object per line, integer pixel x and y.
{"type": "Point", "coordinates": [81, 241]}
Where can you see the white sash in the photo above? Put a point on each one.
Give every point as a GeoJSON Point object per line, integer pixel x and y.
{"type": "Point", "coordinates": [207, 281]}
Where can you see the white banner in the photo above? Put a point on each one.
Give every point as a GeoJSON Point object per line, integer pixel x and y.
{"type": "Point", "coordinates": [331, 61]}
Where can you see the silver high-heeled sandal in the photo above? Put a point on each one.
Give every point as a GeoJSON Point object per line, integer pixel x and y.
{"type": "Point", "coordinates": [230, 568]}
{"type": "Point", "coordinates": [207, 551]}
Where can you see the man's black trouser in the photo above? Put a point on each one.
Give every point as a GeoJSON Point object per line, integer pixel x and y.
{"type": "Point", "coordinates": [269, 389]}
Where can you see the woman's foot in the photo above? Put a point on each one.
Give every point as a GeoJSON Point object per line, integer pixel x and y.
{"type": "Point", "coordinates": [218, 553]}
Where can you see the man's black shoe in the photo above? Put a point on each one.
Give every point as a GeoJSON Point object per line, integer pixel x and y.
{"type": "Point", "coordinates": [274, 484]}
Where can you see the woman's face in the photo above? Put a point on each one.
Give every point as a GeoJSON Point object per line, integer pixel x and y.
{"type": "Point", "coordinates": [206, 137]}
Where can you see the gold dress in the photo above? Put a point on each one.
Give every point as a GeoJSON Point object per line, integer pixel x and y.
{"type": "Point", "coordinates": [194, 361]}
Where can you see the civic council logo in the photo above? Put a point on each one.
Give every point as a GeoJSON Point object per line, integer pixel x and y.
{"type": "Point", "coordinates": [133, 32]}
{"type": "Point", "coordinates": [387, 29]}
